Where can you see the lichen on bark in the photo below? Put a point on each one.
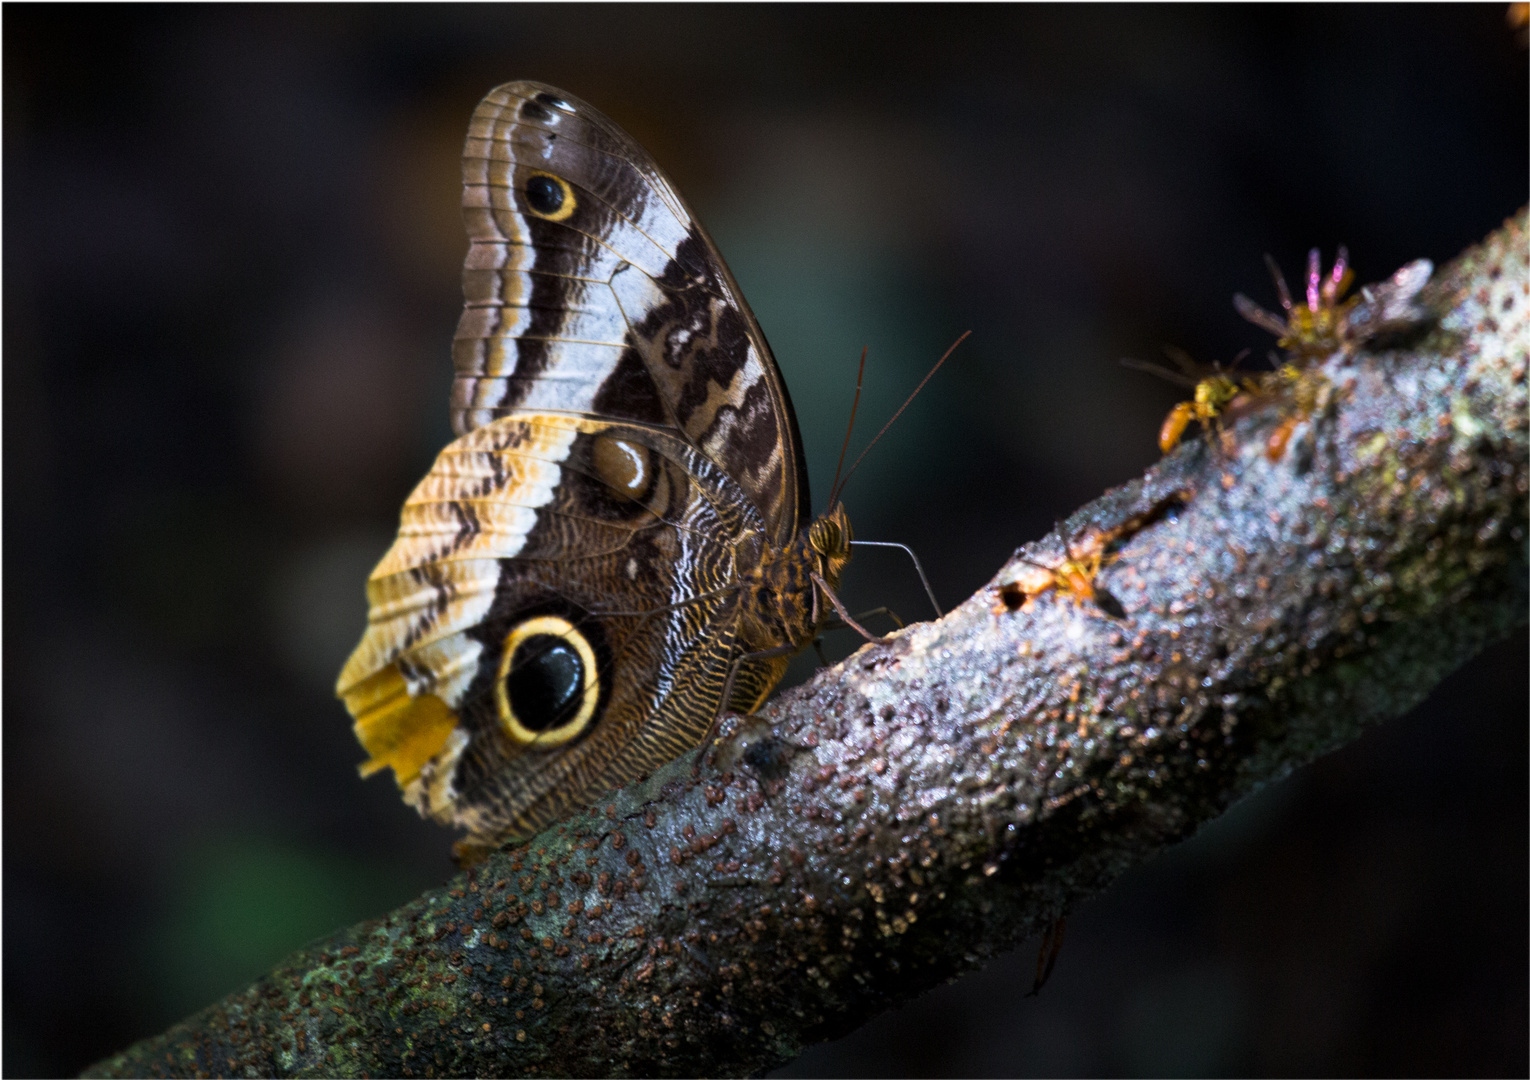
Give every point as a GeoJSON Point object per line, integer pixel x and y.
{"type": "Point", "coordinates": [942, 796]}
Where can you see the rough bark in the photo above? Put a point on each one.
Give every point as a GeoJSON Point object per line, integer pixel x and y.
{"type": "Point", "coordinates": [940, 797]}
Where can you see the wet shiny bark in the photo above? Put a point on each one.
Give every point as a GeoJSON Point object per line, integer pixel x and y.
{"type": "Point", "coordinates": [1261, 596]}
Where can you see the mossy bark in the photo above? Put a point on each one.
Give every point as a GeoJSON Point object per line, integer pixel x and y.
{"type": "Point", "coordinates": [1264, 595]}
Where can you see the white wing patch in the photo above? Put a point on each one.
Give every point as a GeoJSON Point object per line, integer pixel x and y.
{"type": "Point", "coordinates": [475, 507]}
{"type": "Point", "coordinates": [643, 224]}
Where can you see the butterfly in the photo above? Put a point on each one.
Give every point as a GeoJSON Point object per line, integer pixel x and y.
{"type": "Point", "coordinates": [618, 544]}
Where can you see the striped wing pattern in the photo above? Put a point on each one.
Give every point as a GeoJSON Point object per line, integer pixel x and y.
{"type": "Point", "coordinates": [621, 309]}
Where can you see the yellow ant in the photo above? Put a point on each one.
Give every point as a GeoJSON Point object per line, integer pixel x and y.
{"type": "Point", "coordinates": [1308, 331]}
{"type": "Point", "coordinates": [1313, 329]}
{"type": "Point", "coordinates": [1213, 390]}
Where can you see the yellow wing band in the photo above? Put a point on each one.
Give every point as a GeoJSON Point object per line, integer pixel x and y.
{"type": "Point", "coordinates": [395, 729]}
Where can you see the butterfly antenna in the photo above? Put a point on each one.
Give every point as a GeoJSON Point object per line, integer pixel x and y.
{"type": "Point", "coordinates": [965, 335]}
{"type": "Point", "coordinates": [859, 375]}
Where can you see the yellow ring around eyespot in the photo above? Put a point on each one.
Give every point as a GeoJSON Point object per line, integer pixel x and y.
{"type": "Point", "coordinates": [565, 209]}
{"type": "Point", "coordinates": [560, 628]}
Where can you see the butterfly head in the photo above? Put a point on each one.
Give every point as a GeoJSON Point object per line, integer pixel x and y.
{"type": "Point", "coordinates": [829, 538]}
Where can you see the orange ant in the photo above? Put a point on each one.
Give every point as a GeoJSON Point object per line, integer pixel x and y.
{"type": "Point", "coordinates": [1217, 396]}
{"type": "Point", "coordinates": [1073, 576]}
{"type": "Point", "coordinates": [1308, 331]}
{"type": "Point", "coordinates": [1214, 389]}
{"type": "Point", "coordinates": [1275, 445]}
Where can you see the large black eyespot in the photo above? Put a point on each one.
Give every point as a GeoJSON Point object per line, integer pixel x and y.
{"type": "Point", "coordinates": [548, 685]}
{"type": "Point", "coordinates": [545, 678]}
{"type": "Point", "coordinates": [549, 197]}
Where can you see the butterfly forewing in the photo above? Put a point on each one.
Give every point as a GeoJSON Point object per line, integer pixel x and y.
{"type": "Point", "coordinates": [591, 288]}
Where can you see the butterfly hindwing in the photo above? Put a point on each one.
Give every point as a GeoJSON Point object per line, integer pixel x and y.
{"type": "Point", "coordinates": [616, 539]}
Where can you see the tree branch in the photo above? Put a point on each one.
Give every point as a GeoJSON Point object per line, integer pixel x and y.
{"type": "Point", "coordinates": [1261, 597]}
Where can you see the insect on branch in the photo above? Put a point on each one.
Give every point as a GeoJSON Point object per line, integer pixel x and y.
{"type": "Point", "coordinates": [963, 786]}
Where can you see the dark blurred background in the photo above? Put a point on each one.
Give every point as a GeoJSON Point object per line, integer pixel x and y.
{"type": "Point", "coordinates": [231, 261]}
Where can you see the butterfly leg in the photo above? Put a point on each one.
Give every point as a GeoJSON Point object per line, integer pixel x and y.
{"type": "Point", "coordinates": [722, 702]}
{"type": "Point", "coordinates": [862, 616]}
{"type": "Point", "coordinates": [844, 615]}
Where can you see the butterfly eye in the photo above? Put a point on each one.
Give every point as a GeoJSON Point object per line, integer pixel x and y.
{"type": "Point", "coordinates": [549, 196]}
{"type": "Point", "coordinates": [548, 685]}
{"type": "Point", "coordinates": [824, 536]}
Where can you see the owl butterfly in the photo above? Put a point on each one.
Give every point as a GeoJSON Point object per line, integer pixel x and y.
{"type": "Point", "coordinates": [619, 539]}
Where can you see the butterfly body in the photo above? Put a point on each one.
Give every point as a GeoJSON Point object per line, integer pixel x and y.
{"type": "Point", "coordinates": [782, 606]}
{"type": "Point", "coordinates": [619, 537]}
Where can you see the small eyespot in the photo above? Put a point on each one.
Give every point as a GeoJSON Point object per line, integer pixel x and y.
{"type": "Point", "coordinates": [530, 110]}
{"type": "Point", "coordinates": [549, 196]}
{"type": "Point", "coordinates": [548, 684]}
{"type": "Point", "coordinates": [623, 465]}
